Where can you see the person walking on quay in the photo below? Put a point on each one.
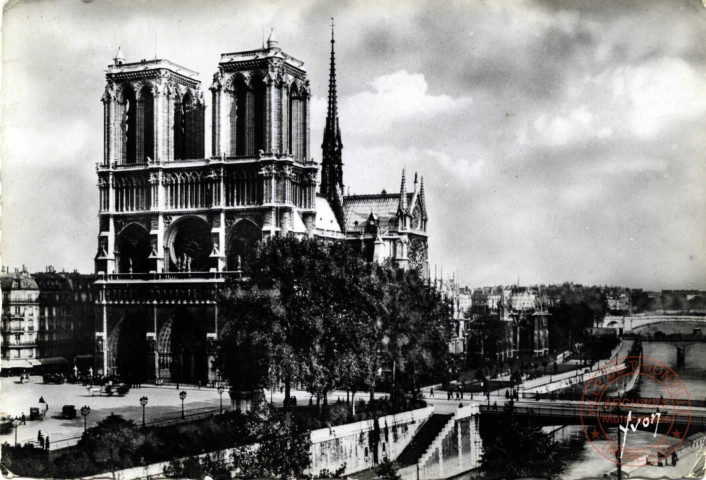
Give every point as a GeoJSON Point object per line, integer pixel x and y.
{"type": "Point", "coordinates": [24, 419]}
{"type": "Point", "coordinates": [46, 443]}
{"type": "Point", "coordinates": [431, 392]}
{"type": "Point", "coordinates": [40, 438]}
{"type": "Point", "coordinates": [675, 459]}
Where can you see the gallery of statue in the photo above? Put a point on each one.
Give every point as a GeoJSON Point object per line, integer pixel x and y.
{"type": "Point", "coordinates": [173, 224]}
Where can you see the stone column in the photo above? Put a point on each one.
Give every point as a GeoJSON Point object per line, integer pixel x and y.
{"type": "Point", "coordinates": [284, 118]}
{"type": "Point", "coordinates": [211, 338]}
{"type": "Point", "coordinates": [152, 356]}
{"type": "Point", "coordinates": [216, 91]}
{"type": "Point", "coordinates": [170, 100]}
{"type": "Point", "coordinates": [161, 122]}
{"type": "Point", "coordinates": [101, 347]}
{"type": "Point", "coordinates": [271, 105]}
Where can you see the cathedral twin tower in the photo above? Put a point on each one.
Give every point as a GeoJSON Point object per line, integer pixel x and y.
{"type": "Point", "coordinates": [172, 221]}
{"type": "Point", "coordinates": [154, 174]}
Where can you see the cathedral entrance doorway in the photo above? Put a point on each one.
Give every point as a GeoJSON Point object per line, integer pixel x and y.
{"type": "Point", "coordinates": [182, 349]}
{"type": "Point", "coordinates": [129, 344]}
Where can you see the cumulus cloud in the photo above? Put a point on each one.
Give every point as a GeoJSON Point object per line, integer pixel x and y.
{"type": "Point", "coordinates": [558, 140]}
{"type": "Point", "coordinates": [391, 100]}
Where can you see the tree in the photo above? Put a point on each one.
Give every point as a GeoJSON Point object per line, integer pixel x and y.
{"type": "Point", "coordinates": [282, 452]}
{"type": "Point", "coordinates": [520, 449]}
{"type": "Point", "coordinates": [315, 312]}
{"type": "Point", "coordinates": [113, 442]}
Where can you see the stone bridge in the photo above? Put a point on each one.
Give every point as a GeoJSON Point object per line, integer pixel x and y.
{"type": "Point", "coordinates": [636, 323]}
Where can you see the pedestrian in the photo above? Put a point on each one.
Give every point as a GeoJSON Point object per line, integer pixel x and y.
{"type": "Point", "coordinates": [46, 443]}
{"type": "Point", "coordinates": [675, 459]}
{"type": "Point", "coordinates": [448, 395]}
{"type": "Point", "coordinates": [461, 394]}
{"type": "Point", "coordinates": [471, 395]}
{"type": "Point", "coordinates": [495, 406]}
{"type": "Point", "coordinates": [41, 399]}
{"type": "Point", "coordinates": [177, 385]}
{"type": "Point", "coordinates": [199, 384]}
{"type": "Point", "coordinates": [24, 419]}
{"type": "Point", "coordinates": [40, 438]}
{"type": "Point", "coordinates": [431, 392]}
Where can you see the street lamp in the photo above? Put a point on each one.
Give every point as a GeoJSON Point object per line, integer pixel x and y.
{"type": "Point", "coordinates": [182, 396]}
{"type": "Point", "coordinates": [85, 410]}
{"type": "Point", "coordinates": [143, 402]}
{"type": "Point", "coordinates": [220, 393]}
{"type": "Point", "coordinates": [15, 423]}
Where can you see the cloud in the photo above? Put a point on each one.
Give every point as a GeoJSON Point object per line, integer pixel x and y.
{"type": "Point", "coordinates": [548, 133]}
{"type": "Point", "coordinates": [392, 100]}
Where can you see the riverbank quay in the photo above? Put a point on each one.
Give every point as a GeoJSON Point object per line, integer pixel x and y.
{"type": "Point", "coordinates": [690, 453]}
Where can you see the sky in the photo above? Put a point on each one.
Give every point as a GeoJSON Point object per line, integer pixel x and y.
{"type": "Point", "coordinates": [558, 141]}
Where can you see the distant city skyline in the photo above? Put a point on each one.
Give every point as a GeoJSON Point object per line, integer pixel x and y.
{"type": "Point", "coordinates": [559, 141]}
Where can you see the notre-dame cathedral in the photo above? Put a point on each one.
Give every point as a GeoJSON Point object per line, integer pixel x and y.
{"type": "Point", "coordinates": [173, 223]}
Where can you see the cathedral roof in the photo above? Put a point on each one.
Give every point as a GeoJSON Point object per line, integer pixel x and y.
{"type": "Point", "coordinates": [325, 218]}
{"type": "Point", "coordinates": [358, 208]}
{"type": "Point", "coordinates": [297, 223]}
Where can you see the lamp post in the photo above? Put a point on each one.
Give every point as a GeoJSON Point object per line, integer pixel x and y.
{"type": "Point", "coordinates": [220, 393]}
{"type": "Point", "coordinates": [85, 410]}
{"type": "Point", "coordinates": [182, 396]}
{"type": "Point", "coordinates": [15, 423]}
{"type": "Point", "coordinates": [143, 402]}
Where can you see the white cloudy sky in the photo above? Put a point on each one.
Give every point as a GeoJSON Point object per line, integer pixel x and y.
{"type": "Point", "coordinates": [557, 140]}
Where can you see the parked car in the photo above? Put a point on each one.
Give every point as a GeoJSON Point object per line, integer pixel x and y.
{"type": "Point", "coordinates": [69, 411]}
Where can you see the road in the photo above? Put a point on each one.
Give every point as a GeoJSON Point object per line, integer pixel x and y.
{"type": "Point", "coordinates": [163, 402]}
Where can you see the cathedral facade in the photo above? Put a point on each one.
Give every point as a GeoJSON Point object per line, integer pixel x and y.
{"type": "Point", "coordinates": [174, 223]}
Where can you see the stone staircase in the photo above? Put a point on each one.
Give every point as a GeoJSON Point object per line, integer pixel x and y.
{"type": "Point", "coordinates": [424, 439]}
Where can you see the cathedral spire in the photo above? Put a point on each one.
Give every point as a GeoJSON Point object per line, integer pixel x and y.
{"type": "Point", "coordinates": [422, 199]}
{"type": "Point", "coordinates": [403, 193]}
{"type": "Point", "coordinates": [332, 114]}
{"type": "Point", "coordinates": [332, 160]}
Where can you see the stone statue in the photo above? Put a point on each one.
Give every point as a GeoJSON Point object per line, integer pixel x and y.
{"type": "Point", "coordinates": [240, 263]}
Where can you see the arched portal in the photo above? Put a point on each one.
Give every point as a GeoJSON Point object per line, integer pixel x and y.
{"type": "Point", "coordinates": [241, 247]}
{"type": "Point", "coordinates": [190, 245]}
{"type": "Point", "coordinates": [128, 344]}
{"type": "Point", "coordinates": [188, 348]}
{"type": "Point", "coordinates": [133, 249]}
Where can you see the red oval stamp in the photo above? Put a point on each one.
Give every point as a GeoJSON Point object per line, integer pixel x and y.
{"type": "Point", "coordinates": [634, 430]}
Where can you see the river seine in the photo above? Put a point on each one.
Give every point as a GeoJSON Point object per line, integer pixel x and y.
{"type": "Point", "coordinates": [585, 459]}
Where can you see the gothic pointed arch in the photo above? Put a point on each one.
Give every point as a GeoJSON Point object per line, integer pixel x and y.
{"type": "Point", "coordinates": [128, 346]}
{"type": "Point", "coordinates": [133, 249]}
{"type": "Point", "coordinates": [242, 242]}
